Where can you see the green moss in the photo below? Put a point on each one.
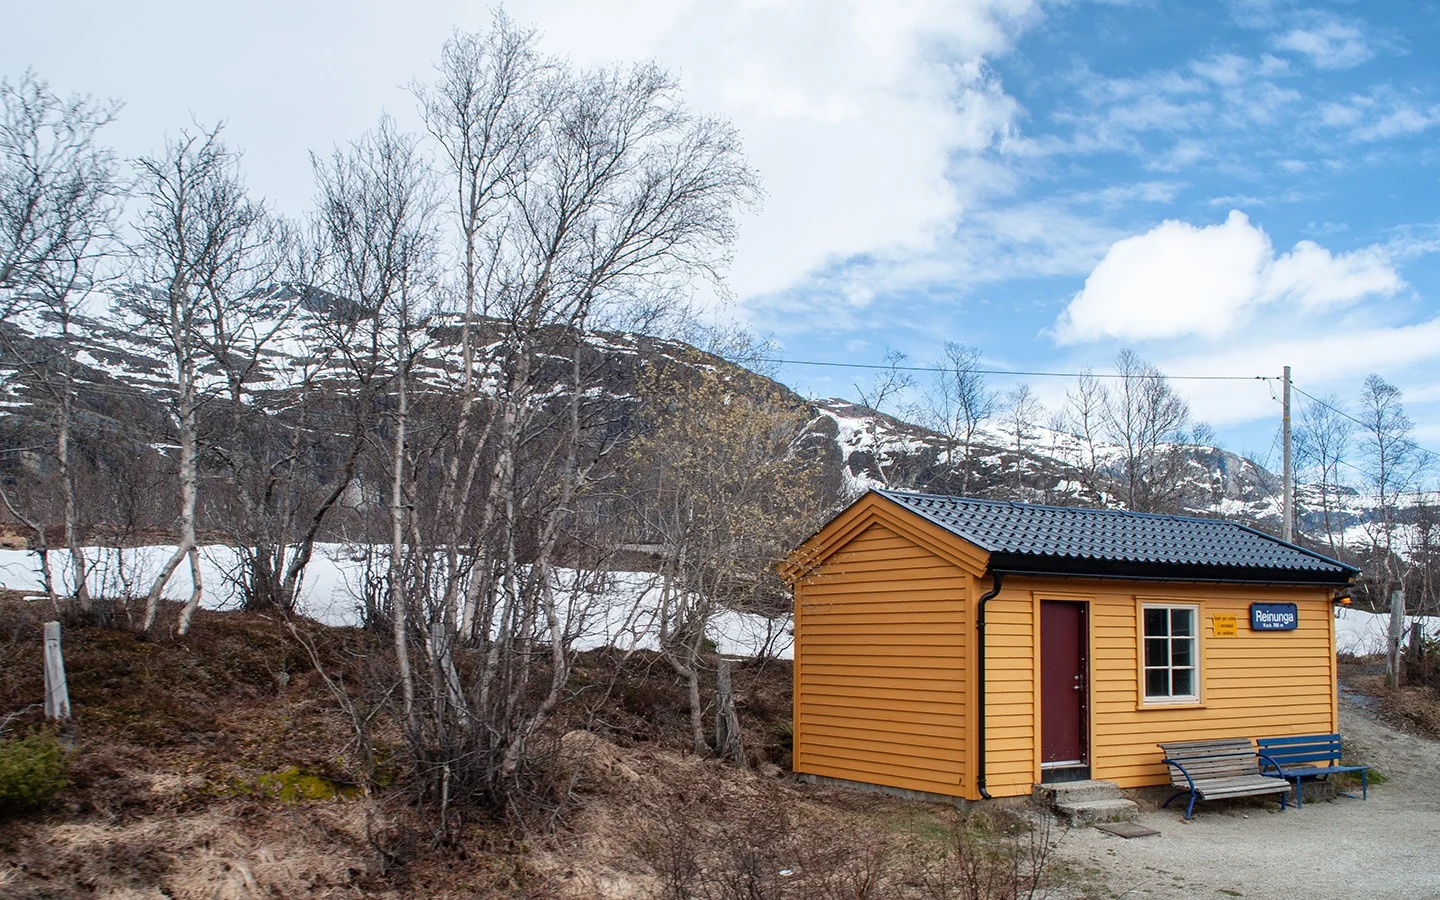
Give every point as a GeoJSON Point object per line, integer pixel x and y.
{"type": "Point", "coordinates": [295, 785]}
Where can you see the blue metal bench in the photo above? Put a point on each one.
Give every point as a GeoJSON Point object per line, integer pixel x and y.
{"type": "Point", "coordinates": [1307, 756]}
{"type": "Point", "coordinates": [1213, 769]}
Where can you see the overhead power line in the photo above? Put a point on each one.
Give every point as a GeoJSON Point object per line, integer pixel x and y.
{"type": "Point", "coordinates": [1343, 414]}
{"type": "Point", "coordinates": [841, 365]}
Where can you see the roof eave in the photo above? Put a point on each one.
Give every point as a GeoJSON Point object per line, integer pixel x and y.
{"type": "Point", "coordinates": [1076, 567]}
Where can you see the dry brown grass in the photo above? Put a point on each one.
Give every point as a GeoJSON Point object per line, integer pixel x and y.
{"type": "Point", "coordinates": [173, 742]}
{"type": "Point", "coordinates": [1413, 708]}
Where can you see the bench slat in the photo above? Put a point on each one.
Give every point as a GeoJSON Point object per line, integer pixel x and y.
{"type": "Point", "coordinates": [1213, 744]}
{"type": "Point", "coordinates": [1301, 739]}
{"type": "Point", "coordinates": [1286, 759]}
{"type": "Point", "coordinates": [1245, 788]}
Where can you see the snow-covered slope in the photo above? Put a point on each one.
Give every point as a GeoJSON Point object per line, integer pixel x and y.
{"type": "Point", "coordinates": [1047, 466]}
{"type": "Point", "coordinates": [623, 615]}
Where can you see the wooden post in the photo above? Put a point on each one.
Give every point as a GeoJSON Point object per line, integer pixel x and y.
{"type": "Point", "coordinates": [727, 720]}
{"type": "Point", "coordinates": [1397, 635]}
{"type": "Point", "coordinates": [57, 692]}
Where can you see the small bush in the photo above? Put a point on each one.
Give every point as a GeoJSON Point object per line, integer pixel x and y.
{"type": "Point", "coordinates": [32, 770]}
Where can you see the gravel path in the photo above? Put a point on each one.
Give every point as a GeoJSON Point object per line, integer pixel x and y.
{"type": "Point", "coordinates": [1388, 846]}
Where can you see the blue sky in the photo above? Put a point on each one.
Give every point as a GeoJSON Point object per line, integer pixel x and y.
{"type": "Point", "coordinates": [1225, 188]}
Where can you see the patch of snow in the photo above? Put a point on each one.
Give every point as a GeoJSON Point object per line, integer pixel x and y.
{"type": "Point", "coordinates": [1362, 633]}
{"type": "Point", "coordinates": [615, 609]}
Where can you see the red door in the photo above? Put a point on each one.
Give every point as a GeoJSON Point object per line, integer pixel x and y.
{"type": "Point", "coordinates": [1064, 688]}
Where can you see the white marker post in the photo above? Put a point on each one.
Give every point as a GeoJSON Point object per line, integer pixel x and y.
{"type": "Point", "coordinates": [57, 692]}
{"type": "Point", "coordinates": [1397, 634]}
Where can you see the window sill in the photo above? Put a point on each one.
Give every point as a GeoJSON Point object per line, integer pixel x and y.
{"type": "Point", "coordinates": [1169, 704]}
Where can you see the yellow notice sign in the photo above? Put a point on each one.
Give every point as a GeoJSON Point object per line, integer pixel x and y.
{"type": "Point", "coordinates": [1226, 626]}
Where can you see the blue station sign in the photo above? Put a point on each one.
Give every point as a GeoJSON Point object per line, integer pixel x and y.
{"type": "Point", "coordinates": [1274, 617]}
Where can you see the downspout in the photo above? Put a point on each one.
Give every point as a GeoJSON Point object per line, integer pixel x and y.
{"type": "Point", "coordinates": [980, 687]}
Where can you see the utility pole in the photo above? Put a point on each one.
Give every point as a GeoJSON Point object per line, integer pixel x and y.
{"type": "Point", "coordinates": [1287, 504]}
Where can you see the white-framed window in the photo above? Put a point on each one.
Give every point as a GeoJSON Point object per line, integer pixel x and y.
{"type": "Point", "coordinates": [1170, 649]}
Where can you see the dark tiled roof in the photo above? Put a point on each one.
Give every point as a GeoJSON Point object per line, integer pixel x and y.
{"type": "Point", "coordinates": [1022, 537]}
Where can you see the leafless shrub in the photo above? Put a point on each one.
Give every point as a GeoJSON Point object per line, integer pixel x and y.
{"type": "Point", "coordinates": [977, 864]}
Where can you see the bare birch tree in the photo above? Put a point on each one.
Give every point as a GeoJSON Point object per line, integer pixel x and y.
{"type": "Point", "coordinates": [1085, 418]}
{"type": "Point", "coordinates": [1022, 411]}
{"type": "Point", "coordinates": [887, 386]}
{"type": "Point", "coordinates": [201, 243]}
{"type": "Point", "coordinates": [1146, 420]}
{"type": "Point", "coordinates": [483, 112]}
{"type": "Point", "coordinates": [958, 403]}
{"type": "Point", "coordinates": [1323, 444]}
{"type": "Point", "coordinates": [581, 199]}
{"type": "Point", "coordinates": [1391, 465]}
{"type": "Point", "coordinates": [59, 198]}
{"type": "Point", "coordinates": [376, 215]}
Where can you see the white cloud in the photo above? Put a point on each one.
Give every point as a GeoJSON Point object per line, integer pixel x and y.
{"type": "Point", "coordinates": [1380, 115]}
{"type": "Point", "coordinates": [1328, 44]}
{"type": "Point", "coordinates": [1311, 278]}
{"type": "Point", "coordinates": [1327, 358]}
{"type": "Point", "coordinates": [853, 114]}
{"type": "Point", "coordinates": [1178, 280]}
{"type": "Point", "coordinates": [1200, 108]}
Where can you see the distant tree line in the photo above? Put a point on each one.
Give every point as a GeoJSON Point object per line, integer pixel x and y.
{"type": "Point", "coordinates": [1126, 438]}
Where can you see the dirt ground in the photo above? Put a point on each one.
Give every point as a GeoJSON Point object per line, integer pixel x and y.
{"type": "Point", "coordinates": [1384, 847]}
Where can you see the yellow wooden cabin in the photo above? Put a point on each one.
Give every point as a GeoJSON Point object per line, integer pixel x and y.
{"type": "Point", "coordinates": [972, 648]}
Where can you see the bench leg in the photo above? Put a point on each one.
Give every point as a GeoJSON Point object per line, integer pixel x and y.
{"type": "Point", "coordinates": [1364, 785]}
{"type": "Point", "coordinates": [1190, 810]}
{"type": "Point", "coordinates": [1299, 795]}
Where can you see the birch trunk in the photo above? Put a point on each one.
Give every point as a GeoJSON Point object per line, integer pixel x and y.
{"type": "Point", "coordinates": [398, 610]}
{"type": "Point", "coordinates": [189, 478]}
{"type": "Point", "coordinates": [67, 476]}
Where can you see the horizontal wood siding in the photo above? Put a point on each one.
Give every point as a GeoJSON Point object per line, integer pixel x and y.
{"type": "Point", "coordinates": [1256, 684]}
{"type": "Point", "coordinates": [880, 670]}
{"type": "Point", "coordinates": [1010, 757]}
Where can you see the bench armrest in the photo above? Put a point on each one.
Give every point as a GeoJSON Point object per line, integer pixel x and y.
{"type": "Point", "coordinates": [1266, 760]}
{"type": "Point", "coordinates": [1170, 762]}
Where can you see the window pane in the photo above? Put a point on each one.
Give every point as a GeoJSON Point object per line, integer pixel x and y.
{"type": "Point", "coordinates": [1181, 652]}
{"type": "Point", "coordinates": [1157, 652]}
{"type": "Point", "coordinates": [1183, 681]}
{"type": "Point", "coordinates": [1180, 621]}
{"type": "Point", "coordinates": [1157, 683]}
{"type": "Point", "coordinates": [1155, 623]}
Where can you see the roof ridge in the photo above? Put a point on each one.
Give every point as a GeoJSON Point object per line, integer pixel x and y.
{"type": "Point", "coordinates": [1098, 510]}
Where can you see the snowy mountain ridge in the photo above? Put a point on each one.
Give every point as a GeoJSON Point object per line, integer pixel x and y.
{"type": "Point", "coordinates": [124, 379]}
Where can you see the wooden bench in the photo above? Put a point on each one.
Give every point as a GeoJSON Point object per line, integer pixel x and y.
{"type": "Point", "coordinates": [1214, 769]}
{"type": "Point", "coordinates": [1307, 756]}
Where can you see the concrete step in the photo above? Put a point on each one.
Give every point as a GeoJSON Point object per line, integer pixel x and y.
{"type": "Point", "coordinates": [1086, 802]}
{"type": "Point", "coordinates": [1075, 792]}
{"type": "Point", "coordinates": [1092, 811]}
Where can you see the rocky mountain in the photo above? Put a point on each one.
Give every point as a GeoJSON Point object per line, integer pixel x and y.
{"type": "Point", "coordinates": [126, 429]}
